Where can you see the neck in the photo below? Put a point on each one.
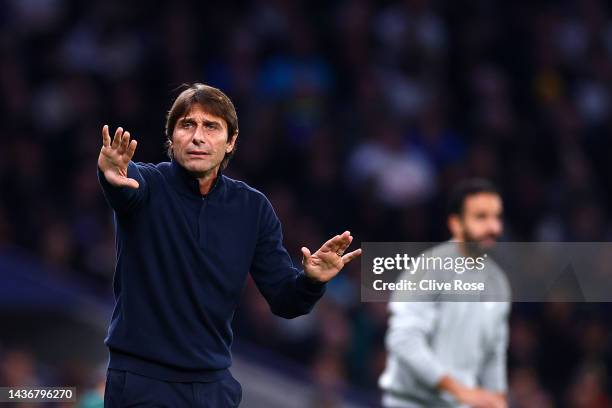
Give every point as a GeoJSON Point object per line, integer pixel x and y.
{"type": "Point", "coordinates": [206, 180]}
{"type": "Point", "coordinates": [460, 244]}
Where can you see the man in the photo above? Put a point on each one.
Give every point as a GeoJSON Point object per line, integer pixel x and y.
{"type": "Point", "coordinates": [186, 237]}
{"type": "Point", "coordinates": [445, 353]}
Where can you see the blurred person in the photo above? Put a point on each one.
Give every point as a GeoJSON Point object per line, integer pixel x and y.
{"type": "Point", "coordinates": [93, 396]}
{"type": "Point", "coordinates": [589, 389]}
{"type": "Point", "coordinates": [526, 390]}
{"type": "Point", "coordinates": [524, 346]}
{"type": "Point", "coordinates": [18, 368]}
{"type": "Point", "coordinates": [186, 237]}
{"type": "Point", "coordinates": [453, 354]}
{"type": "Point", "coordinates": [384, 162]}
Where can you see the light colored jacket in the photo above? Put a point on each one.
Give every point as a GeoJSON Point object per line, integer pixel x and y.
{"type": "Point", "coordinates": [427, 340]}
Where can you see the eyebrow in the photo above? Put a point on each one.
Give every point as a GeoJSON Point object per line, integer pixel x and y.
{"type": "Point", "coordinates": [206, 121]}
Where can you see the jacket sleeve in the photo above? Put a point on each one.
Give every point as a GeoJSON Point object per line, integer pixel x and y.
{"type": "Point", "coordinates": [493, 373]}
{"type": "Point", "coordinates": [410, 326]}
{"type": "Point", "coordinates": [124, 199]}
{"type": "Point", "coordinates": [286, 289]}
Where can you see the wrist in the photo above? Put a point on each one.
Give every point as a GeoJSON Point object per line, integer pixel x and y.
{"type": "Point", "coordinates": [304, 283]}
{"type": "Point", "coordinates": [312, 279]}
{"type": "Point", "coordinates": [454, 388]}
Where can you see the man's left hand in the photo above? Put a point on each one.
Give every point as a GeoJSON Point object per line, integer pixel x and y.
{"type": "Point", "coordinates": [324, 264]}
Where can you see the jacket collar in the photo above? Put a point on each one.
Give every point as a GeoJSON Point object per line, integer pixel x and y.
{"type": "Point", "coordinates": [189, 184]}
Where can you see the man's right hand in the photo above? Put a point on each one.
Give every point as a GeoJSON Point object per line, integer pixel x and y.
{"type": "Point", "coordinates": [472, 397]}
{"type": "Point", "coordinates": [479, 398]}
{"type": "Point", "coordinates": [115, 157]}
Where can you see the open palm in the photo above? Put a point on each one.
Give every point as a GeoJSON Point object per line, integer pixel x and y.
{"type": "Point", "coordinates": [324, 264]}
{"type": "Point", "coordinates": [115, 157]}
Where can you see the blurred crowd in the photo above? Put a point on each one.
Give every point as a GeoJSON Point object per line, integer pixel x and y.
{"type": "Point", "coordinates": [355, 115]}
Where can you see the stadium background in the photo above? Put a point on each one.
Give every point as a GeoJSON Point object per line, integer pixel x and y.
{"type": "Point", "coordinates": [353, 115]}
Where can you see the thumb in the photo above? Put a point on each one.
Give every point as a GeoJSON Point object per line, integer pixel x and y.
{"type": "Point", "coordinates": [120, 181]}
{"type": "Point", "coordinates": [131, 183]}
{"type": "Point", "coordinates": [305, 254]}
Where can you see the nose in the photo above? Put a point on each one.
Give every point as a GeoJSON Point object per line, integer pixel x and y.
{"type": "Point", "coordinates": [198, 136]}
{"type": "Point", "coordinates": [495, 226]}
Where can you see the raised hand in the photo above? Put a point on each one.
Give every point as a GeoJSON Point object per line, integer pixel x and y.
{"type": "Point", "coordinates": [114, 157]}
{"type": "Point", "coordinates": [324, 264]}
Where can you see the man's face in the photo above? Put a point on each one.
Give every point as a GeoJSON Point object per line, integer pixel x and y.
{"type": "Point", "coordinates": [481, 220]}
{"type": "Point", "coordinates": [200, 141]}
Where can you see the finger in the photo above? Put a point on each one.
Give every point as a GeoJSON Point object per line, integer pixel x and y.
{"type": "Point", "coordinates": [351, 255]}
{"type": "Point", "coordinates": [305, 254]}
{"type": "Point", "coordinates": [131, 183]}
{"type": "Point", "coordinates": [106, 140]}
{"type": "Point", "coordinates": [496, 402]}
{"type": "Point", "coordinates": [117, 137]}
{"type": "Point", "coordinates": [113, 178]}
{"type": "Point", "coordinates": [131, 149]}
{"type": "Point", "coordinates": [125, 140]}
{"type": "Point", "coordinates": [331, 245]}
{"type": "Point", "coordinates": [119, 181]}
{"type": "Point", "coordinates": [344, 238]}
{"type": "Point", "coordinates": [345, 243]}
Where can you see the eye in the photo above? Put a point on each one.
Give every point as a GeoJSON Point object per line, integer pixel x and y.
{"type": "Point", "coordinates": [211, 126]}
{"type": "Point", "coordinates": [187, 124]}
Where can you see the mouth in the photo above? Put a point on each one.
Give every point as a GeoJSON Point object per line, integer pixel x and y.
{"type": "Point", "coordinates": [198, 154]}
{"type": "Point", "coordinates": [488, 241]}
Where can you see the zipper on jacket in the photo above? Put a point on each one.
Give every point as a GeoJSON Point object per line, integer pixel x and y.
{"type": "Point", "coordinates": [202, 222]}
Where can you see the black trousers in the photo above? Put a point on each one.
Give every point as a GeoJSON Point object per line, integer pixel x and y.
{"type": "Point", "coordinates": [126, 390]}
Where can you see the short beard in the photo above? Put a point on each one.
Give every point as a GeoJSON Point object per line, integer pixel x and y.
{"type": "Point", "coordinates": [474, 246]}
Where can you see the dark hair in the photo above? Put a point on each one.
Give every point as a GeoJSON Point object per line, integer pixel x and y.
{"type": "Point", "coordinates": [213, 101]}
{"type": "Point", "coordinates": [467, 188]}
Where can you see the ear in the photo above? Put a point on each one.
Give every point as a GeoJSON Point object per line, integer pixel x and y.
{"type": "Point", "coordinates": [230, 145]}
{"type": "Point", "coordinates": [454, 226]}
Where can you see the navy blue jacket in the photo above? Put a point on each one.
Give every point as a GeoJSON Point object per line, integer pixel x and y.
{"type": "Point", "coordinates": [182, 262]}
